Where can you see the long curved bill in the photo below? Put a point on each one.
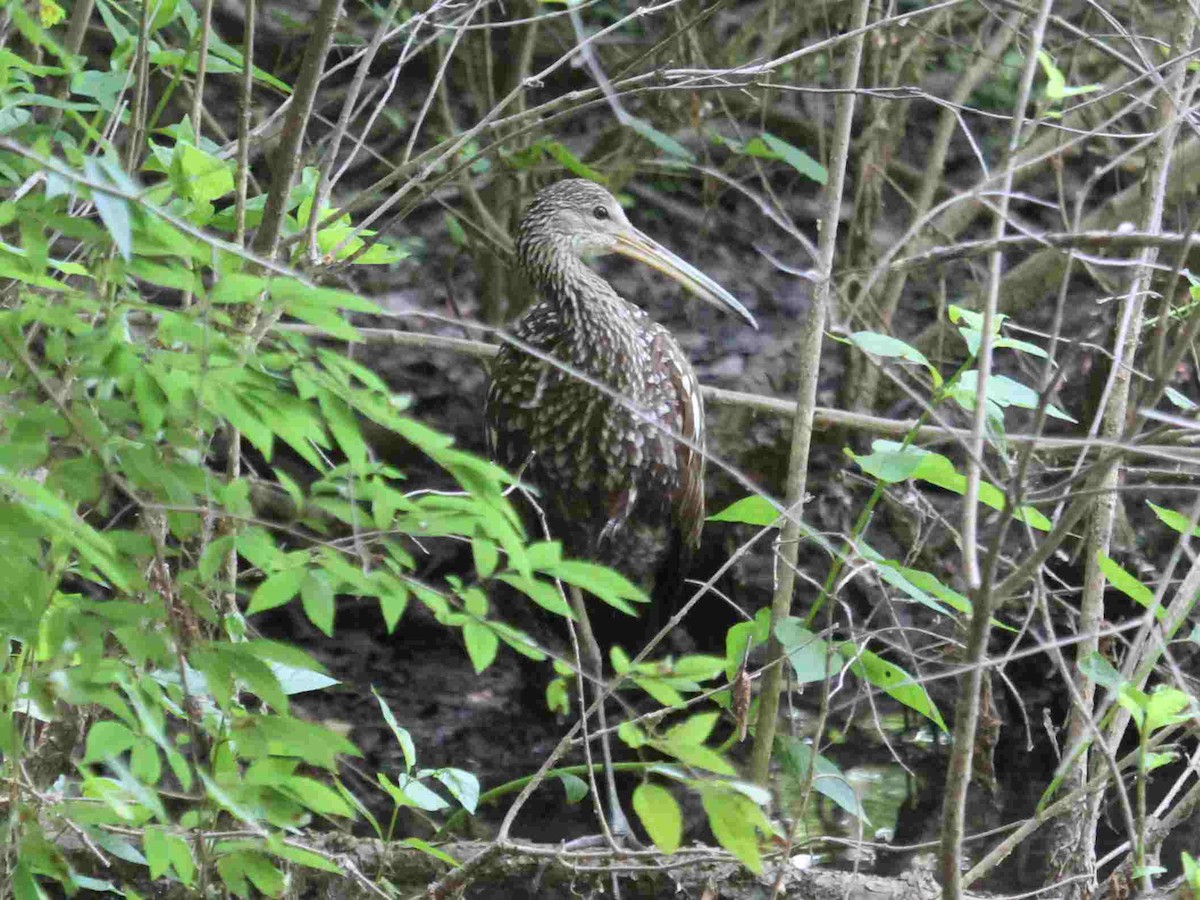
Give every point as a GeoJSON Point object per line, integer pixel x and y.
{"type": "Point", "coordinates": [635, 245]}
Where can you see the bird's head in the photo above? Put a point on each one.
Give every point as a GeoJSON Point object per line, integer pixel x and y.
{"type": "Point", "coordinates": [578, 218]}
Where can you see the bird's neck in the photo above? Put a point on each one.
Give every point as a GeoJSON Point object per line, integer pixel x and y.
{"type": "Point", "coordinates": [581, 296]}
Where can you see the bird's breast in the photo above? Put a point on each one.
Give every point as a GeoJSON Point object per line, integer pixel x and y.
{"type": "Point", "coordinates": [594, 434]}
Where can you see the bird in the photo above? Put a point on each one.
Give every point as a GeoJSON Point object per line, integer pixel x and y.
{"type": "Point", "coordinates": [605, 416]}
{"type": "Point", "coordinates": [615, 483]}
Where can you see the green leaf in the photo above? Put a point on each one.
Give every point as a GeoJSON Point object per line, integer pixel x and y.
{"type": "Point", "coordinates": [1181, 401]}
{"type": "Point", "coordinates": [1027, 514]}
{"type": "Point", "coordinates": [574, 786]}
{"type": "Point", "coordinates": [558, 697]}
{"type": "Point", "coordinates": [809, 655]}
{"type": "Point", "coordinates": [697, 666]}
{"type": "Point", "coordinates": [302, 857]}
{"type": "Point", "coordinates": [482, 644]}
{"type": "Point", "coordinates": [113, 210]}
{"type": "Point", "coordinates": [916, 584]}
{"type": "Point", "coordinates": [24, 885]}
{"type": "Point", "coordinates": [344, 426]}
{"type": "Point", "coordinates": [486, 556]}
{"type": "Point", "coordinates": [296, 680]}
{"type": "Point", "coordinates": [325, 318]}
{"type": "Point", "coordinates": [972, 319]}
{"type": "Point", "coordinates": [393, 600]}
{"type": "Point", "coordinates": [230, 406]}
{"type": "Point", "coordinates": [571, 162]}
{"type": "Point", "coordinates": [891, 348]}
{"type": "Point", "coordinates": [222, 662]}
{"type": "Point", "coordinates": [264, 735]}
{"type": "Point", "coordinates": [119, 847]}
{"type": "Point", "coordinates": [685, 743]}
{"type": "Point", "coordinates": [475, 601]}
{"type": "Point", "coordinates": [1056, 82]}
{"type": "Point", "coordinates": [891, 462]}
{"type": "Point", "coordinates": [180, 854]}
{"type": "Point", "coordinates": [154, 846]}
{"type": "Point", "coordinates": [796, 761]}
{"type": "Point", "coordinates": [144, 762]}
{"type": "Point", "coordinates": [621, 662]}
{"type": "Point", "coordinates": [318, 797]}
{"type": "Point", "coordinates": [735, 821]}
{"type": "Point", "coordinates": [1153, 761]}
{"type": "Point", "coordinates": [1135, 702]}
{"type": "Point", "coordinates": [660, 816]}
{"type": "Point", "coordinates": [1146, 871]}
{"type": "Point", "coordinates": [435, 852]}
{"type": "Point", "coordinates": [699, 757]}
{"type": "Point", "coordinates": [1174, 520]}
{"type": "Point", "coordinates": [285, 654]}
{"type": "Point", "coordinates": [106, 740]}
{"type": "Point", "coordinates": [663, 142]}
{"type": "Point", "coordinates": [277, 590]}
{"type": "Point", "coordinates": [199, 176]}
{"type": "Point", "coordinates": [458, 234]}
{"type": "Point", "coordinates": [745, 635]}
{"type": "Point", "coordinates": [796, 158]}
{"type": "Point", "coordinates": [753, 510]}
{"type": "Point", "coordinates": [694, 730]}
{"type": "Point", "coordinates": [542, 593]}
{"type": "Point", "coordinates": [1056, 85]}
{"type": "Point", "coordinates": [1012, 343]}
{"type": "Point", "coordinates": [410, 792]}
{"type": "Point", "coordinates": [1191, 869]}
{"type": "Point", "coordinates": [768, 146]}
{"type": "Point", "coordinates": [293, 290]}
{"type": "Point", "coordinates": [263, 874]}
{"type": "Point", "coordinates": [149, 398]}
{"type": "Point", "coordinates": [316, 594]}
{"type": "Point", "coordinates": [661, 691]}
{"type": "Point", "coordinates": [1128, 585]}
{"type": "Point", "coordinates": [1165, 707]}
{"type": "Point", "coordinates": [236, 287]}
{"type": "Point", "coordinates": [599, 581]}
{"type": "Point", "coordinates": [271, 771]}
{"type": "Point", "coordinates": [403, 738]}
{"type": "Point", "coordinates": [892, 680]}
{"type": "Point", "coordinates": [462, 785]}
{"type": "Point", "coordinates": [164, 15]}
{"type": "Point", "coordinates": [1004, 392]}
{"type": "Point", "coordinates": [232, 870]}
{"type": "Point", "coordinates": [927, 584]}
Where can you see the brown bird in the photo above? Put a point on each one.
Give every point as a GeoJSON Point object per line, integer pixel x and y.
{"type": "Point", "coordinates": [613, 480]}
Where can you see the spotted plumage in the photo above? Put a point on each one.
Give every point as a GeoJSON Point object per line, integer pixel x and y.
{"type": "Point", "coordinates": [612, 478]}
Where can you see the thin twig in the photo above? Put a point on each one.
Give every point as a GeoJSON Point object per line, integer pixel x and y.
{"type": "Point", "coordinates": [811, 339]}
{"type": "Point", "coordinates": [966, 713]}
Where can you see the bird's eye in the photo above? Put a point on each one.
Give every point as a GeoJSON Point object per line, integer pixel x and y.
{"type": "Point", "coordinates": [600, 212]}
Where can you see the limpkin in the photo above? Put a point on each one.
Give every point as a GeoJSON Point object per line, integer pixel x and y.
{"type": "Point", "coordinates": [613, 480]}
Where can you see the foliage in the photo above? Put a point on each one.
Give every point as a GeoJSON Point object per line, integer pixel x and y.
{"type": "Point", "coordinates": [891, 463]}
{"type": "Point", "coordinates": [184, 446]}
{"type": "Point", "coordinates": [125, 371]}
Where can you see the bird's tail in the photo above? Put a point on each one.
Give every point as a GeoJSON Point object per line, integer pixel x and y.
{"type": "Point", "coordinates": [670, 587]}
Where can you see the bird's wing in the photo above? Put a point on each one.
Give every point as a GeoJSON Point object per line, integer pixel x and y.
{"type": "Point", "coordinates": [688, 502]}
{"type": "Point", "coordinates": [513, 390]}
